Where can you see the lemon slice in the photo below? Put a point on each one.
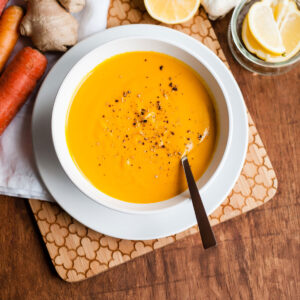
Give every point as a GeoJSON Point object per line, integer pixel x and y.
{"type": "Point", "coordinates": [290, 33]}
{"type": "Point", "coordinates": [279, 7]}
{"type": "Point", "coordinates": [291, 7]}
{"type": "Point", "coordinates": [264, 29]}
{"type": "Point", "coordinates": [251, 44]}
{"type": "Point", "coordinates": [282, 14]}
{"type": "Point", "coordinates": [254, 47]}
{"type": "Point", "coordinates": [172, 11]}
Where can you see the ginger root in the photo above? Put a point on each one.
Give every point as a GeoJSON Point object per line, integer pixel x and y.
{"type": "Point", "coordinates": [50, 26]}
{"type": "Point", "coordinates": [73, 5]}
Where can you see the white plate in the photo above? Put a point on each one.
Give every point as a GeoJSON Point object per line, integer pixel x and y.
{"type": "Point", "coordinates": [106, 220]}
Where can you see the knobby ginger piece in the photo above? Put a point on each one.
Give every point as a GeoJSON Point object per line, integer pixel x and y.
{"type": "Point", "coordinates": [50, 26]}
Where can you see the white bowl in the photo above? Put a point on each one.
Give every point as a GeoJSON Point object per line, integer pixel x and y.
{"type": "Point", "coordinates": [88, 63]}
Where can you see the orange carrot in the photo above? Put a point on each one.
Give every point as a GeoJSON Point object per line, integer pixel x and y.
{"type": "Point", "coordinates": [18, 81]}
{"type": "Point", "coordinates": [2, 5]}
{"type": "Point", "coordinates": [9, 32]}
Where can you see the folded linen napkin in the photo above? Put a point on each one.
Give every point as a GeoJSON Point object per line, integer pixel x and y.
{"type": "Point", "coordinates": [18, 174]}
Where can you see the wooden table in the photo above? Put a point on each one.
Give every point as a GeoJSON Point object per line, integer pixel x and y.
{"type": "Point", "coordinates": [257, 255]}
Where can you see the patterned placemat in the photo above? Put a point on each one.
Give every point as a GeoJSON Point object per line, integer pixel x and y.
{"type": "Point", "coordinates": [78, 252]}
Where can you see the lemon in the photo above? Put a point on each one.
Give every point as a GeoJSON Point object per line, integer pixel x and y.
{"type": "Point", "coordinates": [290, 6]}
{"type": "Point", "coordinates": [172, 11]}
{"type": "Point", "coordinates": [251, 44]}
{"type": "Point", "coordinates": [264, 29]}
{"type": "Point", "coordinates": [254, 47]}
{"type": "Point", "coordinates": [280, 7]}
{"type": "Point", "coordinates": [290, 33]}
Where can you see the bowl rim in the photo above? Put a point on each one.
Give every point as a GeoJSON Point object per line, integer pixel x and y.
{"type": "Point", "coordinates": [242, 49]}
{"type": "Point", "coordinates": [151, 206]}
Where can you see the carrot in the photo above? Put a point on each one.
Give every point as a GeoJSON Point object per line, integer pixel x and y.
{"type": "Point", "coordinates": [2, 5]}
{"type": "Point", "coordinates": [18, 81]}
{"type": "Point", "coordinates": [9, 32]}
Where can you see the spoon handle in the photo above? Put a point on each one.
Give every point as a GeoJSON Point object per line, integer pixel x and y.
{"type": "Point", "coordinates": [207, 235]}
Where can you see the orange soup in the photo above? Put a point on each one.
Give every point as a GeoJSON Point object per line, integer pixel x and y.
{"type": "Point", "coordinates": [132, 119]}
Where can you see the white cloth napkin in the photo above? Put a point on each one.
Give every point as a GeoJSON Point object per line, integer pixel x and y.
{"type": "Point", "coordinates": [18, 174]}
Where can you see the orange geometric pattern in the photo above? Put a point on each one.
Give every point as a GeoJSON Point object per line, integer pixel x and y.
{"type": "Point", "coordinates": [78, 252]}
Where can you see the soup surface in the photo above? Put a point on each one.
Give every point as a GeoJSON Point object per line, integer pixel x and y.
{"type": "Point", "coordinates": [133, 118]}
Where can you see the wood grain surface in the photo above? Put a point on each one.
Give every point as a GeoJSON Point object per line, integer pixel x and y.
{"type": "Point", "coordinates": [257, 255]}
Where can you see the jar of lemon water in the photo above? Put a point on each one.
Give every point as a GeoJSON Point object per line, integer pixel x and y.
{"type": "Point", "coordinates": [264, 36]}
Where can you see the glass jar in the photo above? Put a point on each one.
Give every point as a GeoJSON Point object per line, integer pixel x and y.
{"type": "Point", "coordinates": [243, 56]}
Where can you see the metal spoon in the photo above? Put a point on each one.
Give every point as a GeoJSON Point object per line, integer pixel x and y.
{"type": "Point", "coordinates": [206, 233]}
